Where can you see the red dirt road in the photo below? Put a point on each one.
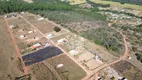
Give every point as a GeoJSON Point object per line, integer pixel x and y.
{"type": "Point", "coordinates": [16, 48]}
{"type": "Point", "coordinates": [125, 54]}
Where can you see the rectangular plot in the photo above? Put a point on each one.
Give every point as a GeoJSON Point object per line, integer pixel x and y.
{"type": "Point", "coordinates": [41, 55]}
{"type": "Point", "coordinates": [16, 21]}
{"type": "Point", "coordinates": [44, 26]}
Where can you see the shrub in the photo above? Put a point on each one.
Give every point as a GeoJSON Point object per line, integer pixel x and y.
{"type": "Point", "coordinates": [57, 29]}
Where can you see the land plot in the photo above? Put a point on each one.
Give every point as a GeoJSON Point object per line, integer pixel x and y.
{"type": "Point", "coordinates": [128, 70]}
{"type": "Point", "coordinates": [63, 45]}
{"type": "Point", "coordinates": [44, 26]}
{"type": "Point", "coordinates": [41, 72]}
{"type": "Point", "coordinates": [55, 34]}
{"type": "Point", "coordinates": [30, 16]}
{"type": "Point", "coordinates": [41, 55]}
{"type": "Point", "coordinates": [16, 21]}
{"type": "Point", "coordinates": [32, 37]}
{"type": "Point", "coordinates": [43, 40]}
{"type": "Point", "coordinates": [92, 64]}
{"type": "Point", "coordinates": [85, 57]}
{"type": "Point", "coordinates": [22, 35]}
{"type": "Point", "coordinates": [70, 70]}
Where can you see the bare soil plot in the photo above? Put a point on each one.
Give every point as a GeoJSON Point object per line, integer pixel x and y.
{"type": "Point", "coordinates": [70, 70]}
{"type": "Point", "coordinates": [92, 64]}
{"type": "Point", "coordinates": [44, 26]}
{"type": "Point", "coordinates": [41, 72]}
{"type": "Point", "coordinates": [128, 70]}
{"type": "Point", "coordinates": [85, 57]}
{"type": "Point", "coordinates": [10, 64]}
{"type": "Point", "coordinates": [16, 21]}
{"type": "Point", "coordinates": [43, 40]}
{"type": "Point", "coordinates": [29, 16]}
{"type": "Point", "coordinates": [56, 34]}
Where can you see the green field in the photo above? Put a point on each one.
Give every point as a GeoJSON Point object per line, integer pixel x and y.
{"type": "Point", "coordinates": [132, 6]}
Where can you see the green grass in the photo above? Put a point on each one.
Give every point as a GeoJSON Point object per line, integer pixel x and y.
{"type": "Point", "coordinates": [137, 7]}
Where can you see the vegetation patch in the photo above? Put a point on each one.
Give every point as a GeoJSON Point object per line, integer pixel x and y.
{"type": "Point", "coordinates": [107, 38]}
{"type": "Point", "coordinates": [57, 29]}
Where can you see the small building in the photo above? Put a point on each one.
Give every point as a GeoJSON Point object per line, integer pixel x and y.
{"type": "Point", "coordinates": [37, 45]}
{"type": "Point", "coordinates": [61, 40]}
{"type": "Point", "coordinates": [59, 65]}
{"type": "Point", "coordinates": [22, 36]}
{"type": "Point", "coordinates": [11, 26]}
{"type": "Point", "coordinates": [30, 32]}
{"type": "Point", "coordinates": [49, 36]}
{"type": "Point", "coordinates": [40, 18]}
{"type": "Point", "coordinates": [73, 52]}
{"type": "Point", "coordinates": [22, 12]}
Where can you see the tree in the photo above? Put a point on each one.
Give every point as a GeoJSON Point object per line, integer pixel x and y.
{"type": "Point", "coordinates": [57, 29]}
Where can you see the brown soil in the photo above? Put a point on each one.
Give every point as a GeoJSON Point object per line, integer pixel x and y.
{"type": "Point", "coordinates": [128, 70]}
{"type": "Point", "coordinates": [10, 66]}
{"type": "Point", "coordinates": [41, 72]}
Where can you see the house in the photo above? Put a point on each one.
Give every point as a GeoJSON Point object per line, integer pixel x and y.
{"type": "Point", "coordinates": [22, 36]}
{"type": "Point", "coordinates": [30, 32]}
{"type": "Point", "coordinates": [11, 26]}
{"type": "Point", "coordinates": [61, 40]}
{"type": "Point", "coordinates": [40, 18]}
{"type": "Point", "coordinates": [37, 45]}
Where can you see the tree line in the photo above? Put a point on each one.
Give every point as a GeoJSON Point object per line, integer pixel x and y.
{"type": "Point", "coordinates": [18, 6]}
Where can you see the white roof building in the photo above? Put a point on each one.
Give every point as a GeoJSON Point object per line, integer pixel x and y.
{"type": "Point", "coordinates": [73, 52]}
{"type": "Point", "coordinates": [22, 36]}
{"type": "Point", "coordinates": [40, 18]}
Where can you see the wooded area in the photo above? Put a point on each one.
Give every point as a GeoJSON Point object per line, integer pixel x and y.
{"type": "Point", "coordinates": [18, 6]}
{"type": "Point", "coordinates": [137, 2]}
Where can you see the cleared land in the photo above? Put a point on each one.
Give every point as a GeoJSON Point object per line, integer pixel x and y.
{"type": "Point", "coordinates": [128, 70]}
{"type": "Point", "coordinates": [41, 72]}
{"type": "Point", "coordinates": [8, 59]}
{"type": "Point", "coordinates": [137, 7]}
{"type": "Point", "coordinates": [70, 70]}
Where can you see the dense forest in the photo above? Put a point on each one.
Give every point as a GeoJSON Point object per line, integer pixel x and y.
{"type": "Point", "coordinates": [18, 6]}
{"type": "Point", "coordinates": [137, 2]}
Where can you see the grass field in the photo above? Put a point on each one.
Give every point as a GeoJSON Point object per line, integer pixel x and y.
{"type": "Point", "coordinates": [73, 2]}
{"type": "Point", "coordinates": [137, 7]}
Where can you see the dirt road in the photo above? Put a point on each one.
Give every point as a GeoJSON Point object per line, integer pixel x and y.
{"type": "Point", "coordinates": [25, 69]}
{"type": "Point", "coordinates": [125, 54]}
